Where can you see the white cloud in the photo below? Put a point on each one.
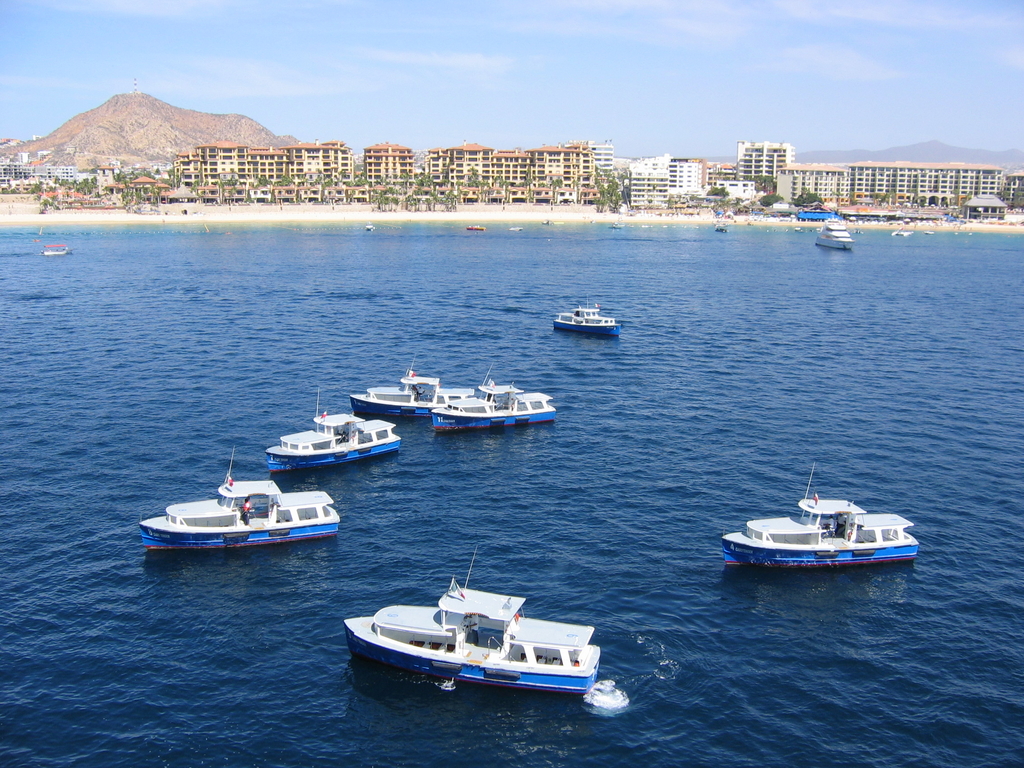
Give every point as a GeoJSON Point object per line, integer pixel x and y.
{"type": "Point", "coordinates": [224, 77]}
{"type": "Point", "coordinates": [835, 62]}
{"type": "Point", "coordinates": [150, 8]}
{"type": "Point", "coordinates": [901, 13]}
{"type": "Point", "coordinates": [469, 64]}
{"type": "Point", "coordinates": [1013, 57]}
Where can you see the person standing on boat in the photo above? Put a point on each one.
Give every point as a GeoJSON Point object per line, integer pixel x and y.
{"type": "Point", "coordinates": [246, 509]}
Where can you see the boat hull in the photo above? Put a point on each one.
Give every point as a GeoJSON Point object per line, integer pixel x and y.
{"type": "Point", "coordinates": [153, 538]}
{"type": "Point", "coordinates": [447, 421]}
{"type": "Point", "coordinates": [452, 668]}
{"type": "Point", "coordinates": [736, 553]}
{"type": "Point", "coordinates": [600, 330]}
{"type": "Point", "coordinates": [837, 244]}
{"type": "Point", "coordinates": [282, 462]}
{"type": "Point", "coordinates": [365, 405]}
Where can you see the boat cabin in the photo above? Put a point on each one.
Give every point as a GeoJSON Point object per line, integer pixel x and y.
{"type": "Point", "coordinates": [256, 503]}
{"type": "Point", "coordinates": [586, 316]}
{"type": "Point", "coordinates": [418, 389]}
{"type": "Point", "coordinates": [828, 521]}
{"type": "Point", "coordinates": [338, 431]}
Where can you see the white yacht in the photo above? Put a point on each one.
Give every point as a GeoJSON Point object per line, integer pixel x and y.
{"type": "Point", "coordinates": [834, 234]}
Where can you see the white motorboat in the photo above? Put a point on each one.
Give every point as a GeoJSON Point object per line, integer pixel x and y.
{"type": "Point", "coordinates": [417, 396]}
{"type": "Point", "coordinates": [834, 234]}
{"type": "Point", "coordinates": [479, 637]}
{"type": "Point", "coordinates": [247, 513]}
{"type": "Point", "coordinates": [339, 438]}
{"type": "Point", "coordinates": [587, 320]}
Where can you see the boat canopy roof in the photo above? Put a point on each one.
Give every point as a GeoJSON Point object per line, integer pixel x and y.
{"type": "Point", "coordinates": [499, 389]}
{"type": "Point", "coordinates": [309, 436]}
{"type": "Point", "coordinates": [304, 499]}
{"type": "Point", "coordinates": [552, 633]}
{"type": "Point", "coordinates": [430, 381]}
{"type": "Point", "coordinates": [424, 619]}
{"type": "Point", "coordinates": [337, 419]}
{"type": "Point", "coordinates": [780, 525]}
{"type": "Point", "coordinates": [830, 507]}
{"type": "Point", "coordinates": [488, 604]}
{"type": "Point", "coordinates": [204, 508]}
{"type": "Point", "coordinates": [241, 488]}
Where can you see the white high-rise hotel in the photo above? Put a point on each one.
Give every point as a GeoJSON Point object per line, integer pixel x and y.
{"type": "Point", "coordinates": [762, 158]}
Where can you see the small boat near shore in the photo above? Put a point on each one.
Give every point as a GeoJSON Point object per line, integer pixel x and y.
{"type": "Point", "coordinates": [721, 227]}
{"type": "Point", "coordinates": [902, 232]}
{"type": "Point", "coordinates": [55, 250]}
{"type": "Point", "coordinates": [369, 227]}
{"type": "Point", "coordinates": [834, 234]}
{"type": "Point", "coordinates": [477, 229]}
{"type": "Point", "coordinates": [587, 320]}
{"type": "Point", "coordinates": [479, 637]}
{"type": "Point", "coordinates": [338, 439]}
{"type": "Point", "coordinates": [246, 514]}
{"type": "Point", "coordinates": [826, 532]}
{"type": "Point", "coordinates": [498, 405]}
{"type": "Point", "coordinates": [417, 396]}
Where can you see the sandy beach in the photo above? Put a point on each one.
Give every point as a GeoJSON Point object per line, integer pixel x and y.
{"type": "Point", "coordinates": [20, 213]}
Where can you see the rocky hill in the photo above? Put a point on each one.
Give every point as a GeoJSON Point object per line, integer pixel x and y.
{"type": "Point", "coordinates": [138, 128]}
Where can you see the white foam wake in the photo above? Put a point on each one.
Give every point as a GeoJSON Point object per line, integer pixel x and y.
{"type": "Point", "coordinates": [606, 697]}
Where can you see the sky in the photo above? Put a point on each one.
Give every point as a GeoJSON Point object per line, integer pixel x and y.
{"type": "Point", "coordinates": [686, 77]}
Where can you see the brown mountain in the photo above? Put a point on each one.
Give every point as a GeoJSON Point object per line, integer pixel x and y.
{"type": "Point", "coordinates": [137, 128]}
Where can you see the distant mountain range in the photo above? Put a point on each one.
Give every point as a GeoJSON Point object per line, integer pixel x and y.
{"type": "Point", "coordinates": [925, 152]}
{"type": "Point", "coordinates": [138, 128]}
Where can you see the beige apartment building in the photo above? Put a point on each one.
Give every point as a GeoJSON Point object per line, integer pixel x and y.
{"type": "Point", "coordinates": [245, 166]}
{"type": "Point", "coordinates": [387, 162]}
{"type": "Point", "coordinates": [939, 184]}
{"type": "Point", "coordinates": [572, 165]}
{"type": "Point", "coordinates": [830, 182]}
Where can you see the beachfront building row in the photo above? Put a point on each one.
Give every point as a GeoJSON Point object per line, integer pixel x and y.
{"type": "Point", "coordinates": [570, 165]}
{"type": "Point", "coordinates": [929, 184]}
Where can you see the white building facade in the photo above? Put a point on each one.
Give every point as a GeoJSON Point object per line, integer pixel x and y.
{"type": "Point", "coordinates": [762, 158]}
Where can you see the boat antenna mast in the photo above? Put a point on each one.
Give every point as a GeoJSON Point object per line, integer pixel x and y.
{"type": "Point", "coordinates": [231, 463]}
{"type": "Point", "coordinates": [470, 571]}
{"type": "Point", "coordinates": [487, 375]}
{"type": "Point", "coordinates": [808, 489]}
{"type": "Point", "coordinates": [317, 403]}
{"type": "Point", "coordinates": [412, 366]}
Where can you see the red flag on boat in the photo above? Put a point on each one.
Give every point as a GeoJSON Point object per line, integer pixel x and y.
{"type": "Point", "coordinates": [815, 498]}
{"type": "Point", "coordinates": [231, 483]}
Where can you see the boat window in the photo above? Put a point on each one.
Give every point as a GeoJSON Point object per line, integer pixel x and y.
{"type": "Point", "coordinates": [307, 513]}
{"type": "Point", "coordinates": [866, 536]}
{"type": "Point", "coordinates": [521, 406]}
{"type": "Point", "coordinates": [474, 409]}
{"type": "Point", "coordinates": [328, 511]}
{"type": "Point", "coordinates": [536, 405]}
{"type": "Point", "coordinates": [365, 437]}
{"type": "Point", "coordinates": [795, 538]}
{"type": "Point", "coordinates": [754, 534]}
{"type": "Point", "coordinates": [220, 521]}
{"type": "Point", "coordinates": [223, 501]}
{"type": "Point", "coordinates": [548, 656]}
{"type": "Point", "coordinates": [322, 446]}
{"type": "Point", "coordinates": [284, 515]}
{"type": "Point", "coordinates": [517, 653]}
{"type": "Point", "coordinates": [395, 398]}
{"type": "Point", "coordinates": [890, 534]}
{"type": "Point", "coordinates": [382, 434]}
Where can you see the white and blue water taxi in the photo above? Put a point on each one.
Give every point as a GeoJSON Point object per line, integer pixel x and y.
{"type": "Point", "coordinates": [417, 396]}
{"type": "Point", "coordinates": [587, 320]}
{"type": "Point", "coordinates": [247, 513]}
{"type": "Point", "coordinates": [825, 532]}
{"type": "Point", "coordinates": [498, 405]}
{"type": "Point", "coordinates": [338, 438]}
{"type": "Point", "coordinates": [58, 249]}
{"type": "Point", "coordinates": [479, 637]}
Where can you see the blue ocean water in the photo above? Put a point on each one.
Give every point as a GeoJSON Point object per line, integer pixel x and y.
{"type": "Point", "coordinates": [134, 367]}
